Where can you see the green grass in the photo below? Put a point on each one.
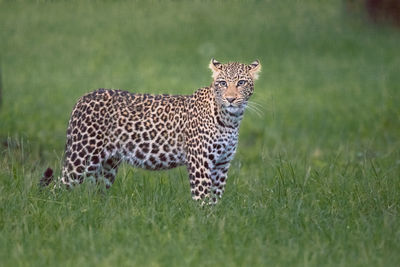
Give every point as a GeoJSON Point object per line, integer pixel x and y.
{"type": "Point", "coordinates": [316, 179]}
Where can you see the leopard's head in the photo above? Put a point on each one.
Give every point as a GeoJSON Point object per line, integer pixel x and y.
{"type": "Point", "coordinates": [233, 83]}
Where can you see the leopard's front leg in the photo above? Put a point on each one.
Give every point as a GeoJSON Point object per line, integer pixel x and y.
{"type": "Point", "coordinates": [219, 176]}
{"type": "Point", "coordinates": [199, 178]}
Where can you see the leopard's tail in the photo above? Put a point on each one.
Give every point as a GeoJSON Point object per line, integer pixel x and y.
{"type": "Point", "coordinates": [47, 178]}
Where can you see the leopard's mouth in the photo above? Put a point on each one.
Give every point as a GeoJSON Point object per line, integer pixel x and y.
{"type": "Point", "coordinates": [234, 108]}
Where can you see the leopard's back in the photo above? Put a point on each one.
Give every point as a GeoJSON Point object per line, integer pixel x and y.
{"type": "Point", "coordinates": [113, 125]}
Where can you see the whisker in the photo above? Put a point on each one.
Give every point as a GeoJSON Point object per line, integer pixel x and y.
{"type": "Point", "coordinates": [256, 107]}
{"type": "Point", "coordinates": [255, 110]}
{"type": "Point", "coordinates": [255, 103]}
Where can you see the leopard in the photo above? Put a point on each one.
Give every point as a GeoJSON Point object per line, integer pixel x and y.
{"type": "Point", "coordinates": [108, 127]}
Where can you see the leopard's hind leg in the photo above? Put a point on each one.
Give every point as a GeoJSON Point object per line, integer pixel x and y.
{"type": "Point", "coordinates": [109, 170]}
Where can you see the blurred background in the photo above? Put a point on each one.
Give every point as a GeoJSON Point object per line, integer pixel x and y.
{"type": "Point", "coordinates": [330, 69]}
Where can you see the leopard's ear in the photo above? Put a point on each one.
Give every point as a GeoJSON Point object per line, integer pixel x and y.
{"type": "Point", "coordinates": [254, 69]}
{"type": "Point", "coordinates": [216, 67]}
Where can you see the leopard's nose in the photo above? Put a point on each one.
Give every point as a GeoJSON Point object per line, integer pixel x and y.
{"type": "Point", "coordinates": [230, 99]}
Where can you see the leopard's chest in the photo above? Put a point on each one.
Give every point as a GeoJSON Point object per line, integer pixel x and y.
{"type": "Point", "coordinates": [224, 147]}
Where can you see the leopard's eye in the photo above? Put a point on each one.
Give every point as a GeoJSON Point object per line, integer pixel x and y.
{"type": "Point", "coordinates": [222, 83]}
{"type": "Point", "coordinates": [241, 82]}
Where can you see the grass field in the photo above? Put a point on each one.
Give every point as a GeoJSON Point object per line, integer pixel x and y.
{"type": "Point", "coordinates": [316, 179]}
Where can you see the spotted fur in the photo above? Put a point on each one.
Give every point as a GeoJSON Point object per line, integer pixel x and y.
{"type": "Point", "coordinates": [158, 132]}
